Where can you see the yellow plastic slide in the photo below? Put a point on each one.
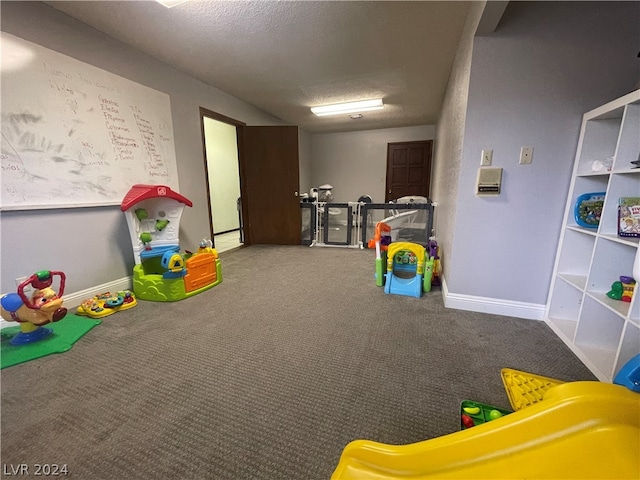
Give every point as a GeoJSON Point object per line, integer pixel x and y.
{"type": "Point", "coordinates": [581, 430]}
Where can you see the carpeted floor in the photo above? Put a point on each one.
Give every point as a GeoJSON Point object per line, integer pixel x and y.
{"type": "Point", "coordinates": [266, 376]}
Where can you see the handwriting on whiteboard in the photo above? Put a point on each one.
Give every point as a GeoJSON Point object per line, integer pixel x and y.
{"type": "Point", "coordinates": [73, 134]}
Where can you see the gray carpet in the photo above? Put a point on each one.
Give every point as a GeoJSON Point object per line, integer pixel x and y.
{"type": "Point", "coordinates": [266, 376]}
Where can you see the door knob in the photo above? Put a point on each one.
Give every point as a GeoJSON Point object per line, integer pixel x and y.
{"type": "Point", "coordinates": [389, 190]}
{"type": "Point", "coordinates": [295, 194]}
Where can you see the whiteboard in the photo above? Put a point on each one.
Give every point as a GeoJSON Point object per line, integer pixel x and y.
{"type": "Point", "coordinates": [74, 135]}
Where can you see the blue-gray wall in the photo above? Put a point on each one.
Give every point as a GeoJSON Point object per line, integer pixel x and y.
{"type": "Point", "coordinates": [529, 84]}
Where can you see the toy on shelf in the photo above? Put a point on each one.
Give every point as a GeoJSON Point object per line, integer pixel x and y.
{"type": "Point", "coordinates": [588, 209]}
{"type": "Point", "coordinates": [622, 290]}
{"type": "Point", "coordinates": [629, 217]}
{"type": "Point", "coordinates": [44, 306]}
{"type": "Point", "coordinates": [107, 304]}
{"type": "Point", "coordinates": [628, 285]}
{"type": "Point", "coordinates": [161, 273]}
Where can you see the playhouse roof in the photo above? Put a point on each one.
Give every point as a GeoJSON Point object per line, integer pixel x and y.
{"type": "Point", "coordinates": [141, 192]}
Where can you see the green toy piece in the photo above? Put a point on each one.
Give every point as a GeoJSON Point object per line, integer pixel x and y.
{"type": "Point", "coordinates": [477, 413]}
{"type": "Point", "coordinates": [161, 224]}
{"type": "Point", "coordinates": [141, 213]}
{"type": "Point", "coordinates": [145, 237]}
{"type": "Point", "coordinates": [616, 291]}
{"type": "Point", "coordinates": [43, 275]}
{"type": "Point", "coordinates": [428, 273]}
{"type": "Point", "coordinates": [494, 414]}
{"type": "Point", "coordinates": [380, 267]}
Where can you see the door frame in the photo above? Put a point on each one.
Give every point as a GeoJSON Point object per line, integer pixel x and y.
{"type": "Point", "coordinates": [241, 166]}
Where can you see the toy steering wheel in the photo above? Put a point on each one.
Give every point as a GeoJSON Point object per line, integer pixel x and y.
{"type": "Point", "coordinates": [114, 301]}
{"type": "Point", "coordinates": [40, 280]}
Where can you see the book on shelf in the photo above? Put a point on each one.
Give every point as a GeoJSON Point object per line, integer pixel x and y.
{"type": "Point", "coordinates": [629, 217]}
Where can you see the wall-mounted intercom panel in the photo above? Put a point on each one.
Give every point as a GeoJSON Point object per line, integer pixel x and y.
{"type": "Point", "coordinates": [489, 181]}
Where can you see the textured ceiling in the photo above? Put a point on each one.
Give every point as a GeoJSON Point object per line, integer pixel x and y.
{"type": "Point", "coordinates": [285, 57]}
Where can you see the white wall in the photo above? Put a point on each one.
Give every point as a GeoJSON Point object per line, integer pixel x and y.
{"type": "Point", "coordinates": [530, 83]}
{"type": "Point", "coordinates": [355, 162]}
{"type": "Point", "coordinates": [91, 245]}
{"type": "Point", "coordinates": [224, 177]}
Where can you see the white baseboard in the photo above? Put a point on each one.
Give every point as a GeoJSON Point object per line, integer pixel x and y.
{"type": "Point", "coordinates": [496, 306]}
{"type": "Point", "coordinates": [72, 300]}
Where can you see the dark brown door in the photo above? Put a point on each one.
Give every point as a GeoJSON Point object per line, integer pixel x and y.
{"type": "Point", "coordinates": [408, 169]}
{"type": "Point", "coordinates": [270, 181]}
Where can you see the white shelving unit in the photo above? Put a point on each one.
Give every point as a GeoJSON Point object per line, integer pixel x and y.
{"type": "Point", "coordinates": [604, 333]}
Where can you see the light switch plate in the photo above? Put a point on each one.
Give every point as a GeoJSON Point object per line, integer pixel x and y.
{"type": "Point", "coordinates": [487, 157]}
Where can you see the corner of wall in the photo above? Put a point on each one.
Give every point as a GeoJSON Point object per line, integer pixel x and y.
{"type": "Point", "coordinates": [449, 139]}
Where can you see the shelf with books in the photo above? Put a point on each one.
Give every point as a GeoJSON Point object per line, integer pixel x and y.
{"type": "Point", "coordinates": [600, 329]}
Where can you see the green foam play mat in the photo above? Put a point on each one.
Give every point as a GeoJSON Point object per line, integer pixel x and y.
{"type": "Point", "coordinates": [66, 332]}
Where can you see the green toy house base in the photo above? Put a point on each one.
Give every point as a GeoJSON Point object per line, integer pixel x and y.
{"type": "Point", "coordinates": [200, 276]}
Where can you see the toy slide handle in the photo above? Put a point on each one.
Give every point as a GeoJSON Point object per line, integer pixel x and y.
{"type": "Point", "coordinates": [40, 280]}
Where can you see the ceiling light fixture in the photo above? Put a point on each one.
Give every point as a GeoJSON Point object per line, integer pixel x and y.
{"type": "Point", "coordinates": [349, 107]}
{"type": "Point", "coordinates": [356, 116]}
{"type": "Point", "coordinates": [171, 3]}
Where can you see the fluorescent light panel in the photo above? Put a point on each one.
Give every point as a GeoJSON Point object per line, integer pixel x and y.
{"type": "Point", "coordinates": [349, 107]}
{"type": "Point", "coordinates": [171, 3]}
